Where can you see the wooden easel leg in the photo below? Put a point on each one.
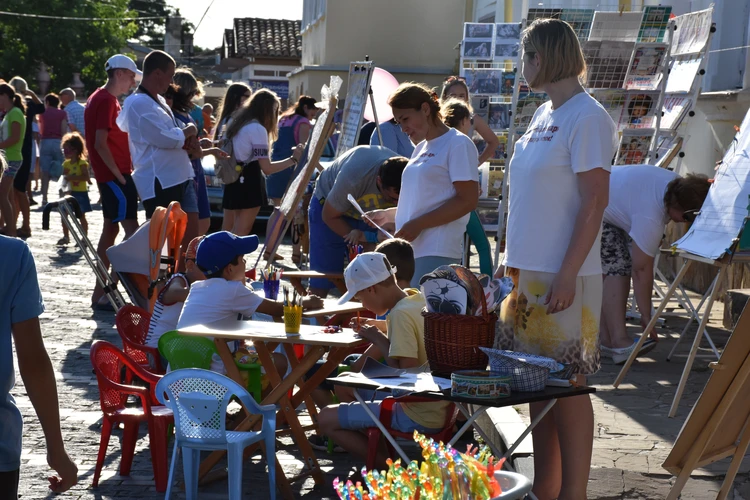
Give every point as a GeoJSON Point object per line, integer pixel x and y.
{"type": "Point", "coordinates": [679, 483]}
{"type": "Point", "coordinates": [696, 342]}
{"type": "Point", "coordinates": [652, 323]}
{"type": "Point", "coordinates": [734, 466]}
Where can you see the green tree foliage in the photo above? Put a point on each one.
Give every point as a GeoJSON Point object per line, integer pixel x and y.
{"type": "Point", "coordinates": [65, 46]}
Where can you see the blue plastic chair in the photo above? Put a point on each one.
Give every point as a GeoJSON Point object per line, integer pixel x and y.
{"type": "Point", "coordinates": [199, 399]}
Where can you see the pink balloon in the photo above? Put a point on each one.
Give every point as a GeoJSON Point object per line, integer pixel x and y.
{"type": "Point", "coordinates": [383, 85]}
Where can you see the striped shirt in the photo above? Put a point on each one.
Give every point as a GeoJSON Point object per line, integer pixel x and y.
{"type": "Point", "coordinates": [165, 316]}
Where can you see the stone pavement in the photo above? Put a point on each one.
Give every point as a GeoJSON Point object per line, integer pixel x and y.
{"type": "Point", "coordinates": [633, 433]}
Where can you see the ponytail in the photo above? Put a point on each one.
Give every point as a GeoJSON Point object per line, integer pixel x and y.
{"type": "Point", "coordinates": [19, 102]}
{"type": "Point", "coordinates": [413, 95]}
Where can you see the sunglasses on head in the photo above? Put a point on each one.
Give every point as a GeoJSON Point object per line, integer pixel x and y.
{"type": "Point", "coordinates": [452, 79]}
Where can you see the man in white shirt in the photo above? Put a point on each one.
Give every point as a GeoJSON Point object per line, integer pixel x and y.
{"type": "Point", "coordinates": [74, 110]}
{"type": "Point", "coordinates": [158, 145]}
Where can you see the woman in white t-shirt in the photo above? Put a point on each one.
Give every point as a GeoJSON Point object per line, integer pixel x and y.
{"type": "Point", "coordinates": [439, 186]}
{"type": "Point", "coordinates": [642, 199]}
{"type": "Point", "coordinates": [559, 185]}
{"type": "Point", "coordinates": [249, 130]}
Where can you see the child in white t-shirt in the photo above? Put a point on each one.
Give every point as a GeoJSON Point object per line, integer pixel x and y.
{"type": "Point", "coordinates": [223, 294]}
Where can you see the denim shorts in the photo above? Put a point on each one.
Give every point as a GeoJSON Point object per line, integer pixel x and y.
{"type": "Point", "coordinates": [353, 417]}
{"type": "Point", "coordinates": [328, 250]}
{"type": "Point", "coordinates": [12, 170]}
{"type": "Point", "coordinates": [189, 203]}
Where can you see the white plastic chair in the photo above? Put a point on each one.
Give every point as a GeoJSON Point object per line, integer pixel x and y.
{"type": "Point", "coordinates": [199, 399]}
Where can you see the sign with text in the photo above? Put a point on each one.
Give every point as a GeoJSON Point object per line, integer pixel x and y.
{"type": "Point", "coordinates": [357, 91]}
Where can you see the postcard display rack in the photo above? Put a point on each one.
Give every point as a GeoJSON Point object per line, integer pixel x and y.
{"type": "Point", "coordinates": [627, 56]}
{"type": "Point", "coordinates": [489, 61]}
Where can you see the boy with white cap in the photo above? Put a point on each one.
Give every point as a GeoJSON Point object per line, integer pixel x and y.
{"type": "Point", "coordinates": [372, 280]}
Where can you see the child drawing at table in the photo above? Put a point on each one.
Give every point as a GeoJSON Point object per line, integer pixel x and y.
{"type": "Point", "coordinates": [372, 279]}
{"type": "Point", "coordinates": [223, 294]}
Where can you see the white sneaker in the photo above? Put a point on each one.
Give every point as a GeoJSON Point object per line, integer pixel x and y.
{"type": "Point", "coordinates": [606, 352]}
{"type": "Point", "coordinates": [620, 355]}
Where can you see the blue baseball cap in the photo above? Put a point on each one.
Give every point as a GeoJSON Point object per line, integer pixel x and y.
{"type": "Point", "coordinates": [219, 249]}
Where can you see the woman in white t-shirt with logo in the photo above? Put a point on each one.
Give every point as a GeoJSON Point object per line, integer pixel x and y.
{"type": "Point", "coordinates": [439, 186]}
{"type": "Point", "coordinates": [642, 199]}
{"type": "Point", "coordinates": [249, 130]}
{"type": "Point", "coordinates": [559, 186]}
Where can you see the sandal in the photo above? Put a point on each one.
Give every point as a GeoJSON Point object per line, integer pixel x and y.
{"type": "Point", "coordinates": [296, 257]}
{"type": "Point", "coordinates": [23, 232]}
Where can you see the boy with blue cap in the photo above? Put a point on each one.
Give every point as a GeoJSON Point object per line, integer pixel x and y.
{"type": "Point", "coordinates": [223, 295]}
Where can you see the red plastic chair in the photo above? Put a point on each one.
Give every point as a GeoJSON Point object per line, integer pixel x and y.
{"type": "Point", "coordinates": [386, 414]}
{"type": "Point", "coordinates": [132, 325]}
{"type": "Point", "coordinates": [108, 362]}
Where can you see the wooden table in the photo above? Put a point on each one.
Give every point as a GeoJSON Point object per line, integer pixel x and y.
{"type": "Point", "coordinates": [266, 336]}
{"type": "Point", "coordinates": [296, 277]}
{"type": "Point", "coordinates": [331, 307]}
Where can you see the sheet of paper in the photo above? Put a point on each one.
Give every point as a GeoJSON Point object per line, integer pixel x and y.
{"type": "Point", "coordinates": [726, 206]}
{"type": "Point", "coordinates": [409, 382]}
{"type": "Point", "coordinates": [362, 213]}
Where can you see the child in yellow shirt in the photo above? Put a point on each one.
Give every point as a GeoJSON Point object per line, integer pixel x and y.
{"type": "Point", "coordinates": [76, 172]}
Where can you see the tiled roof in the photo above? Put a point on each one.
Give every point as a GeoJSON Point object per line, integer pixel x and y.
{"type": "Point", "coordinates": [253, 37]}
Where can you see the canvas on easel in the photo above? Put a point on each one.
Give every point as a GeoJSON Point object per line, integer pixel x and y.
{"type": "Point", "coordinates": [712, 239]}
{"type": "Point", "coordinates": [282, 216]}
{"type": "Point", "coordinates": [717, 427]}
{"type": "Point", "coordinates": [360, 74]}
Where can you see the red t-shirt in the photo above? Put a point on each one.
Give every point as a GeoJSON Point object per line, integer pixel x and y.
{"type": "Point", "coordinates": [101, 112]}
{"type": "Point", "coordinates": [50, 123]}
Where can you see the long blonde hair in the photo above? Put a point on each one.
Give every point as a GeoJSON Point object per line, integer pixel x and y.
{"type": "Point", "coordinates": [262, 106]}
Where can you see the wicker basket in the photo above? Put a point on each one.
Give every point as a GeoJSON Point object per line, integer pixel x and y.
{"type": "Point", "coordinates": [452, 341]}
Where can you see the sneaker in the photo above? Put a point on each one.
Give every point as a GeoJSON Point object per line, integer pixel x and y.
{"type": "Point", "coordinates": [320, 443]}
{"type": "Point", "coordinates": [63, 241]}
{"type": "Point", "coordinates": [620, 355]}
{"type": "Point", "coordinates": [606, 352]}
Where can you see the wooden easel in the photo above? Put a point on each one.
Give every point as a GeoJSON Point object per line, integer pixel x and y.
{"type": "Point", "coordinates": [718, 425]}
{"type": "Point", "coordinates": [281, 218]}
{"type": "Point", "coordinates": [723, 265]}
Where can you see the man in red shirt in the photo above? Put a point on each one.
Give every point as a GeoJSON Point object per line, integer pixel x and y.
{"type": "Point", "coordinates": [109, 157]}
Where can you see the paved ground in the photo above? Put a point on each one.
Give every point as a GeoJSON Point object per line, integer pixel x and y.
{"type": "Point", "coordinates": [633, 433]}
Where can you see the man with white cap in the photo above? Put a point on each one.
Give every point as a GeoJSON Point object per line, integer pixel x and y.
{"type": "Point", "coordinates": [109, 157]}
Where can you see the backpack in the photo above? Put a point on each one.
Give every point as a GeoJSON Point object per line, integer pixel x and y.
{"type": "Point", "coordinates": [227, 169]}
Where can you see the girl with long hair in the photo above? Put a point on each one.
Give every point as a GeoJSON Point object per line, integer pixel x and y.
{"type": "Point", "coordinates": [13, 127]}
{"type": "Point", "coordinates": [249, 130]}
{"type": "Point", "coordinates": [236, 95]}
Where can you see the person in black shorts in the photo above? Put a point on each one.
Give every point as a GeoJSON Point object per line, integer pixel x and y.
{"type": "Point", "coordinates": [34, 106]}
{"type": "Point", "coordinates": [109, 156]}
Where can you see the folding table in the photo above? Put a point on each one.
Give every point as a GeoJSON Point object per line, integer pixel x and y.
{"type": "Point", "coordinates": [550, 394]}
{"type": "Point", "coordinates": [266, 336]}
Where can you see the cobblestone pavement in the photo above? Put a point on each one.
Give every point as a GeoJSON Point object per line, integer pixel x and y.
{"type": "Point", "coordinates": [633, 433]}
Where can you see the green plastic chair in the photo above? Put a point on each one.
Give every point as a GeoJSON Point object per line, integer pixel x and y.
{"type": "Point", "coordinates": [183, 351]}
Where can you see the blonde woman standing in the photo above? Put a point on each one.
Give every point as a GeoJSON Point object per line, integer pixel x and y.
{"type": "Point", "coordinates": [559, 180]}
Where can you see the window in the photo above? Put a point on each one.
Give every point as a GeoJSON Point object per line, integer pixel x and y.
{"type": "Point", "coordinates": [264, 72]}
{"type": "Point", "coordinates": [490, 18]}
{"type": "Point", "coordinates": [312, 10]}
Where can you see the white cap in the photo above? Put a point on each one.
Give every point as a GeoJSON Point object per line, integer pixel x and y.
{"type": "Point", "coordinates": [120, 61]}
{"type": "Point", "coordinates": [366, 270]}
